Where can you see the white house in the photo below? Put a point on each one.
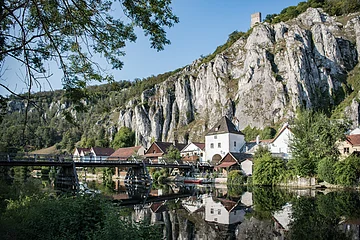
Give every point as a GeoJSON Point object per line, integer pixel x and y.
{"type": "Point", "coordinates": [193, 152]}
{"type": "Point", "coordinates": [223, 211]}
{"type": "Point", "coordinates": [223, 138]}
{"type": "Point", "coordinates": [280, 145]}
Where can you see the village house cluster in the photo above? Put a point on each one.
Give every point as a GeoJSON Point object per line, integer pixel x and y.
{"type": "Point", "coordinates": [225, 148]}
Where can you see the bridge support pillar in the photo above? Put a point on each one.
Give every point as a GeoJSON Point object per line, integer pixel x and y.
{"type": "Point", "coordinates": [138, 175]}
{"type": "Point", "coordinates": [66, 179]}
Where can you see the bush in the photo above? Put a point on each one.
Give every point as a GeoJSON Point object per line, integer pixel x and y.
{"type": "Point", "coordinates": [268, 170]}
{"type": "Point", "coordinates": [326, 170]}
{"type": "Point", "coordinates": [81, 217]}
{"type": "Point", "coordinates": [235, 177]}
{"type": "Point", "coordinates": [347, 172]}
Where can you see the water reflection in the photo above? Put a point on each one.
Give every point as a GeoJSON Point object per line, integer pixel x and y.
{"type": "Point", "coordinates": [217, 212]}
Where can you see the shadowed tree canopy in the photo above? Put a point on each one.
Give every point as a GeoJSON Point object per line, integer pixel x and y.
{"type": "Point", "coordinates": [73, 33]}
{"type": "Point", "coordinates": [123, 138]}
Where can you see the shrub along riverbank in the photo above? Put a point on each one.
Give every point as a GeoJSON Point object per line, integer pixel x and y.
{"type": "Point", "coordinates": [72, 217]}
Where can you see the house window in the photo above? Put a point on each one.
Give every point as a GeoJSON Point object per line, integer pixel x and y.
{"type": "Point", "coordinates": [211, 145]}
{"type": "Point", "coordinates": [346, 150]}
{"type": "Point", "coordinates": [215, 219]}
{"type": "Point", "coordinates": [219, 211]}
{"type": "Point", "coordinates": [201, 154]}
{"type": "Point", "coordinates": [215, 137]}
{"type": "Point", "coordinates": [235, 212]}
{"type": "Point", "coordinates": [212, 211]}
{"type": "Point", "coordinates": [234, 143]}
{"type": "Point", "coordinates": [219, 145]}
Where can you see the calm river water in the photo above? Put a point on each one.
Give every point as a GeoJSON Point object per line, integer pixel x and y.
{"type": "Point", "coordinates": [217, 212]}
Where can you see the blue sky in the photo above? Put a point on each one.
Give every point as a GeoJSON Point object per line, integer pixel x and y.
{"type": "Point", "coordinates": [204, 25]}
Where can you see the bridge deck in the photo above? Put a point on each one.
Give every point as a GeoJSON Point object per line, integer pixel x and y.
{"type": "Point", "coordinates": [90, 164]}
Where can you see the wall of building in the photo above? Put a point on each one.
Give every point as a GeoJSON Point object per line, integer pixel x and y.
{"type": "Point", "coordinates": [282, 144]}
{"type": "Point", "coordinates": [346, 149]}
{"type": "Point", "coordinates": [226, 141]}
{"type": "Point", "coordinates": [247, 167]}
{"type": "Point", "coordinates": [191, 150]}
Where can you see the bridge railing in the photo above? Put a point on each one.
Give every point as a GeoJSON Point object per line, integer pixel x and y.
{"type": "Point", "coordinates": [35, 157]}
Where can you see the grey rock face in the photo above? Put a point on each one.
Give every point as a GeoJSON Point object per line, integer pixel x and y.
{"type": "Point", "coordinates": [259, 80]}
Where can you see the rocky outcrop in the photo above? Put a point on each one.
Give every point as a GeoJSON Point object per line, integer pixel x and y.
{"type": "Point", "coordinates": [259, 80]}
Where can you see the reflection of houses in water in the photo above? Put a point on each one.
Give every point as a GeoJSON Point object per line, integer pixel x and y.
{"type": "Point", "coordinates": [283, 219]}
{"type": "Point", "coordinates": [157, 210]}
{"type": "Point", "coordinates": [351, 227]}
{"type": "Point", "coordinates": [223, 211]}
{"type": "Point", "coordinates": [247, 199]}
{"type": "Point", "coordinates": [193, 204]}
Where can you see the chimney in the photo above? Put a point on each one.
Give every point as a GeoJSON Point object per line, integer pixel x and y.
{"type": "Point", "coordinates": [257, 139]}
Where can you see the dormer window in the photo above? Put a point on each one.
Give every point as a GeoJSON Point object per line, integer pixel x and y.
{"type": "Point", "coordinates": [216, 129]}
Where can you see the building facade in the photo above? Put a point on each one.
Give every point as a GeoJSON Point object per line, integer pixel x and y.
{"type": "Point", "coordinates": [223, 138]}
{"type": "Point", "coordinates": [193, 152]}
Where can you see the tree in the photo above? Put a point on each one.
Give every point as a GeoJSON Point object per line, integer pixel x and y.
{"type": "Point", "coordinates": [73, 33]}
{"type": "Point", "coordinates": [314, 138]}
{"type": "Point", "coordinates": [123, 138]}
{"type": "Point", "coordinates": [347, 172]}
{"type": "Point", "coordinates": [268, 170]}
{"type": "Point", "coordinates": [326, 169]}
{"type": "Point", "coordinates": [172, 154]}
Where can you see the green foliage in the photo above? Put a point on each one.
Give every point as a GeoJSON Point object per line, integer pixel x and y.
{"type": "Point", "coordinates": [326, 169]}
{"type": "Point", "coordinates": [333, 7]}
{"type": "Point", "coordinates": [268, 170]}
{"type": "Point", "coordinates": [347, 172]}
{"type": "Point", "coordinates": [314, 138]}
{"type": "Point", "coordinates": [251, 133]}
{"type": "Point", "coordinates": [321, 216]}
{"type": "Point", "coordinates": [235, 177]}
{"type": "Point", "coordinates": [123, 138]}
{"type": "Point", "coordinates": [172, 154]}
{"type": "Point", "coordinates": [81, 217]}
{"type": "Point", "coordinates": [233, 37]}
{"type": "Point", "coordinates": [268, 200]}
{"type": "Point", "coordinates": [261, 151]}
{"type": "Point", "coordinates": [73, 33]}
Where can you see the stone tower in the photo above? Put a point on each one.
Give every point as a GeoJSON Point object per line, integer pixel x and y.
{"type": "Point", "coordinates": [255, 18]}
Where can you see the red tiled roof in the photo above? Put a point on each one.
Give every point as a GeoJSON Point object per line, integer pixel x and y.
{"type": "Point", "coordinates": [99, 151]}
{"type": "Point", "coordinates": [199, 145]}
{"type": "Point", "coordinates": [165, 145]}
{"type": "Point", "coordinates": [125, 153]}
{"type": "Point", "coordinates": [353, 139]}
{"type": "Point", "coordinates": [228, 204]}
{"type": "Point", "coordinates": [149, 155]}
{"type": "Point", "coordinates": [225, 164]}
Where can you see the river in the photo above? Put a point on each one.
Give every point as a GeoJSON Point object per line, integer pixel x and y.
{"type": "Point", "coordinates": [190, 211]}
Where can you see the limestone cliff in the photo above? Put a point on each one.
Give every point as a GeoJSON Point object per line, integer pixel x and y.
{"type": "Point", "coordinates": [260, 79]}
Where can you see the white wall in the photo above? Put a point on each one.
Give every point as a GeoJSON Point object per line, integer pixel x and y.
{"type": "Point", "coordinates": [216, 212]}
{"type": "Point", "coordinates": [227, 144]}
{"type": "Point", "coordinates": [192, 149]}
{"type": "Point", "coordinates": [240, 141]}
{"type": "Point", "coordinates": [247, 166]}
{"type": "Point", "coordinates": [282, 144]}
